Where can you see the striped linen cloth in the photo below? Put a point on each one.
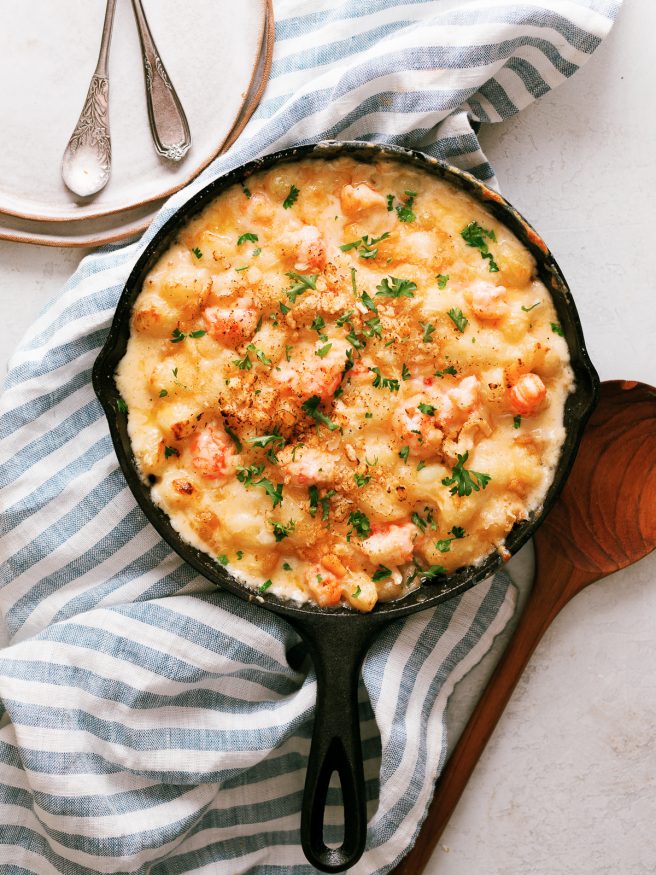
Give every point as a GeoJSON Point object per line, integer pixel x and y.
{"type": "Point", "coordinates": [151, 724]}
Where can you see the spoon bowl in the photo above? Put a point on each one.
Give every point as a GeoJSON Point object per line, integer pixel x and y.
{"type": "Point", "coordinates": [603, 520]}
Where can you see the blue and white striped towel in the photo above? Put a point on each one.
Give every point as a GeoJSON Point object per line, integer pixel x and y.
{"type": "Point", "coordinates": [151, 723]}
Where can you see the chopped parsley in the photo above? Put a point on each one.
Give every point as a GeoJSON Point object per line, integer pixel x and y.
{"type": "Point", "coordinates": [177, 336]}
{"type": "Point", "coordinates": [517, 421]}
{"type": "Point", "coordinates": [444, 544]}
{"type": "Point", "coordinates": [462, 481]}
{"type": "Point", "coordinates": [268, 440]}
{"type": "Point", "coordinates": [246, 191]}
{"type": "Point", "coordinates": [404, 210]}
{"type": "Point", "coordinates": [222, 559]}
{"type": "Point", "coordinates": [311, 407]}
{"type": "Point", "coordinates": [256, 252]}
{"type": "Point", "coordinates": [399, 288]}
{"type": "Point", "coordinates": [353, 283]}
{"type": "Point", "coordinates": [368, 415]}
{"type": "Point", "coordinates": [324, 501]}
{"type": "Point", "coordinates": [265, 585]}
{"type": "Point", "coordinates": [450, 370]}
{"type": "Point", "coordinates": [405, 373]}
{"type": "Point", "coordinates": [356, 592]}
{"type": "Point", "coordinates": [368, 301]}
{"type": "Point", "coordinates": [302, 282]}
{"type": "Point", "coordinates": [286, 566]}
{"type": "Point", "coordinates": [243, 267]}
{"type": "Point", "coordinates": [426, 409]}
{"type": "Point", "coordinates": [361, 479]}
{"type": "Point", "coordinates": [384, 382]}
{"type": "Point", "coordinates": [323, 351]}
{"type": "Point", "coordinates": [163, 393]}
{"type": "Point", "coordinates": [284, 309]}
{"type": "Point", "coordinates": [434, 570]}
{"type": "Point", "coordinates": [121, 406]}
{"type": "Point", "coordinates": [240, 555]}
{"type": "Point", "coordinates": [197, 252]}
{"type": "Point", "coordinates": [170, 451]}
{"type": "Point", "coordinates": [476, 236]}
{"type": "Point", "coordinates": [404, 452]}
{"type": "Point", "coordinates": [314, 499]}
{"type": "Point", "coordinates": [291, 198]}
{"type": "Point", "coordinates": [365, 245]}
{"type": "Point", "coordinates": [373, 328]}
{"type": "Point", "coordinates": [442, 280]}
{"type": "Point", "coordinates": [233, 437]}
{"type": "Point", "coordinates": [458, 318]}
{"type": "Point", "coordinates": [557, 329]}
{"type": "Point", "coordinates": [420, 522]}
{"type": "Point", "coordinates": [288, 347]}
{"type": "Point", "coordinates": [390, 203]}
{"type": "Point", "coordinates": [421, 465]}
{"type": "Point", "coordinates": [360, 523]}
{"type": "Point", "coordinates": [429, 330]}
{"type": "Point", "coordinates": [317, 324]}
{"type": "Point", "coordinates": [282, 530]}
{"type": "Point", "coordinates": [247, 238]}
{"type": "Point", "coordinates": [245, 474]}
{"type": "Point", "coordinates": [381, 573]}
{"type": "Point", "coordinates": [532, 307]}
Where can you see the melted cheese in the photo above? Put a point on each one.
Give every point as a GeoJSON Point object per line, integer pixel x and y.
{"type": "Point", "coordinates": [333, 394]}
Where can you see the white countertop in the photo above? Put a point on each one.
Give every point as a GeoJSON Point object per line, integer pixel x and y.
{"type": "Point", "coordinates": [568, 782]}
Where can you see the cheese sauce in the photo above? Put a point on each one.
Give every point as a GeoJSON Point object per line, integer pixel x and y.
{"type": "Point", "coordinates": [342, 376]}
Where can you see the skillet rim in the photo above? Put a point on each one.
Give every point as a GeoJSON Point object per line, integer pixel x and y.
{"type": "Point", "coordinates": [578, 408]}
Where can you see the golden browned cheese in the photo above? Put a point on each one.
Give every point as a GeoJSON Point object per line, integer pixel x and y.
{"type": "Point", "coordinates": [344, 375]}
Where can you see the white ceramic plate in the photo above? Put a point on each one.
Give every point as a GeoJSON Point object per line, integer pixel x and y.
{"type": "Point", "coordinates": [48, 53]}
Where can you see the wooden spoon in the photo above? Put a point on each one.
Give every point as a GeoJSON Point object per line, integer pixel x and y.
{"type": "Point", "coordinates": [604, 520]}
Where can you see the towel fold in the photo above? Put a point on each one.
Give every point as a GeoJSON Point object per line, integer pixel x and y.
{"type": "Point", "coordinates": [150, 723]}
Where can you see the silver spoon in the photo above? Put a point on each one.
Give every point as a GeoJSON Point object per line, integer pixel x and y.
{"type": "Point", "coordinates": [87, 161]}
{"type": "Point", "coordinates": [168, 122]}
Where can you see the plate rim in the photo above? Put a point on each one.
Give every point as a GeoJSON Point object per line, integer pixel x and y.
{"type": "Point", "coordinates": [241, 117]}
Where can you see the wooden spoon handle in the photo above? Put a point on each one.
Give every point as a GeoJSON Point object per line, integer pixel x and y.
{"type": "Point", "coordinates": [541, 608]}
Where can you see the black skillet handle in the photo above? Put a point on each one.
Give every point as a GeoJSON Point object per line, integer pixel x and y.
{"type": "Point", "coordinates": [337, 645]}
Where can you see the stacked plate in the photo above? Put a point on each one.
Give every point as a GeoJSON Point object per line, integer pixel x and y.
{"type": "Point", "coordinates": [218, 56]}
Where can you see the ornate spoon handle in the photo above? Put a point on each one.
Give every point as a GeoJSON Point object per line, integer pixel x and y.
{"type": "Point", "coordinates": [87, 160]}
{"type": "Point", "coordinates": [168, 122]}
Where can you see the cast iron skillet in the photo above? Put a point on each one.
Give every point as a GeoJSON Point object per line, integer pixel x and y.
{"type": "Point", "coordinates": [338, 638]}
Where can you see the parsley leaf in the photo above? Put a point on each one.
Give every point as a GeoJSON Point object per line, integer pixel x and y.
{"type": "Point", "coordinates": [163, 393]}
{"type": "Point", "coordinates": [245, 474]}
{"type": "Point", "coordinates": [444, 544]}
{"type": "Point", "coordinates": [381, 573]}
{"type": "Point", "coordinates": [373, 327]}
{"type": "Point", "coordinates": [356, 592]}
{"type": "Point", "coordinates": [303, 282]}
{"type": "Point", "coordinates": [390, 203]}
{"type": "Point", "coordinates": [266, 440]}
{"type": "Point", "coordinates": [323, 351]}
{"type": "Point", "coordinates": [222, 559]}
{"type": "Point", "coordinates": [121, 406]}
{"type": "Point", "coordinates": [384, 382]}
{"type": "Point", "coordinates": [360, 523]}
{"type": "Point", "coordinates": [265, 585]}
{"type": "Point", "coordinates": [450, 370]}
{"type": "Point", "coordinates": [311, 407]}
{"type": "Point", "coordinates": [474, 235]}
{"type": "Point", "coordinates": [282, 530]}
{"type": "Point", "coordinates": [404, 452]}
{"type": "Point", "coordinates": [365, 245]}
{"type": "Point", "coordinates": [231, 434]}
{"type": "Point", "coordinates": [361, 479]}
{"type": "Point", "coordinates": [196, 334]}
{"type": "Point", "coordinates": [427, 409]}
{"type": "Point", "coordinates": [462, 481]}
{"type": "Point", "coordinates": [244, 238]}
{"type": "Point", "coordinates": [458, 319]}
{"type": "Point", "coordinates": [170, 451]}
{"type": "Point", "coordinates": [246, 191]}
{"type": "Point", "coordinates": [399, 288]}
{"type": "Point", "coordinates": [197, 252]}
{"type": "Point", "coordinates": [404, 210]}
{"type": "Point", "coordinates": [291, 198]}
{"type": "Point", "coordinates": [532, 307]}
{"type": "Point", "coordinates": [442, 280]}
{"type": "Point", "coordinates": [368, 301]}
{"type": "Point", "coordinates": [557, 329]}
{"type": "Point", "coordinates": [244, 364]}
{"type": "Point", "coordinates": [405, 373]}
{"type": "Point", "coordinates": [517, 421]}
{"type": "Point", "coordinates": [324, 501]}
{"type": "Point", "coordinates": [177, 335]}
{"type": "Point", "coordinates": [314, 499]}
{"type": "Point", "coordinates": [429, 330]}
